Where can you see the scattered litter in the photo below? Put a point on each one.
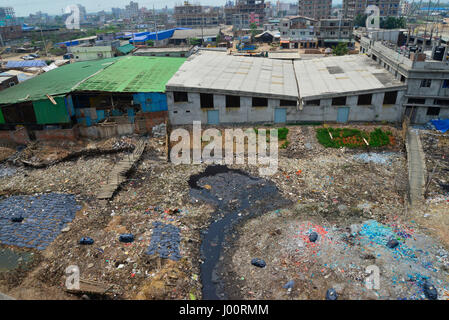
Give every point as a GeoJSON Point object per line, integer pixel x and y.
{"type": "Point", "coordinates": [86, 241]}
{"type": "Point", "coordinates": [289, 285]}
{"type": "Point", "coordinates": [331, 294]}
{"type": "Point", "coordinates": [126, 238]}
{"type": "Point", "coordinates": [258, 263]}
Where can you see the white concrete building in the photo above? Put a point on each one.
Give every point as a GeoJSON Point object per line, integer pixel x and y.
{"type": "Point", "coordinates": [217, 88]}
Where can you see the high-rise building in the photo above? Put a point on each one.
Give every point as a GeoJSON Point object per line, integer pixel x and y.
{"type": "Point", "coordinates": [387, 8]}
{"type": "Point", "coordinates": [83, 13]}
{"type": "Point", "coordinates": [131, 10]}
{"type": "Point", "coordinates": [316, 9]}
{"type": "Point", "coordinates": [7, 17]}
{"type": "Point", "coordinates": [195, 15]}
{"type": "Point", "coordinates": [244, 13]}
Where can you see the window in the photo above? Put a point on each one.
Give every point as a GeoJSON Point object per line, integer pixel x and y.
{"type": "Point", "coordinates": [390, 97]}
{"type": "Point", "coordinates": [207, 100]}
{"type": "Point", "coordinates": [365, 99]}
{"type": "Point", "coordinates": [260, 102]}
{"type": "Point", "coordinates": [426, 83]}
{"type": "Point", "coordinates": [416, 101]}
{"type": "Point", "coordinates": [402, 78]}
{"type": "Point", "coordinates": [339, 101]}
{"type": "Point", "coordinates": [181, 96]}
{"type": "Point", "coordinates": [288, 103]}
{"type": "Point", "coordinates": [446, 83]}
{"type": "Point", "coordinates": [443, 102]}
{"type": "Point", "coordinates": [433, 111]}
{"type": "Point", "coordinates": [232, 102]}
{"type": "Point", "coordinates": [313, 103]}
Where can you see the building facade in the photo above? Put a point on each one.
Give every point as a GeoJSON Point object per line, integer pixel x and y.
{"type": "Point", "coordinates": [317, 9]}
{"type": "Point", "coordinates": [298, 32]}
{"type": "Point", "coordinates": [195, 15]}
{"type": "Point", "coordinates": [244, 13]}
{"type": "Point", "coordinates": [427, 78]}
{"type": "Point", "coordinates": [387, 8]}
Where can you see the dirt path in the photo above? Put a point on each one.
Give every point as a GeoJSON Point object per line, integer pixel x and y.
{"type": "Point", "coordinates": [416, 167]}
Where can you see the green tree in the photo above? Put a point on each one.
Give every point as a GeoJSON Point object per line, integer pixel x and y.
{"type": "Point", "coordinates": [360, 20]}
{"type": "Point", "coordinates": [341, 49]}
{"type": "Point", "coordinates": [393, 23]}
{"type": "Point", "coordinates": [149, 43]}
{"type": "Point", "coordinates": [195, 42]}
{"type": "Point", "coordinates": [253, 28]}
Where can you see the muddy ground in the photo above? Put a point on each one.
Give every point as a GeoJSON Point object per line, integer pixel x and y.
{"type": "Point", "coordinates": [327, 190]}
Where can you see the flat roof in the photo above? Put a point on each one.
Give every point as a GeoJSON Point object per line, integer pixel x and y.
{"type": "Point", "coordinates": [195, 33]}
{"type": "Point", "coordinates": [215, 72]}
{"type": "Point", "coordinates": [342, 75]}
{"type": "Point", "coordinates": [134, 74]}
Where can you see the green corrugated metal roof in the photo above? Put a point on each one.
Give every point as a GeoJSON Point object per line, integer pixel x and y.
{"type": "Point", "coordinates": [55, 82]}
{"type": "Point", "coordinates": [127, 48]}
{"type": "Point", "coordinates": [134, 74]}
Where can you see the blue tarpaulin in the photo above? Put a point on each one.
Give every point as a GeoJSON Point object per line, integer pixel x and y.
{"type": "Point", "coordinates": [441, 125]}
{"type": "Point", "coordinates": [161, 35]}
{"type": "Point", "coordinates": [25, 64]}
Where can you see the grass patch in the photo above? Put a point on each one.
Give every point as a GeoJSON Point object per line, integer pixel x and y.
{"type": "Point", "coordinates": [353, 138]}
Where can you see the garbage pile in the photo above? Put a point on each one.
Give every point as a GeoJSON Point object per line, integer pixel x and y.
{"type": "Point", "coordinates": [159, 131]}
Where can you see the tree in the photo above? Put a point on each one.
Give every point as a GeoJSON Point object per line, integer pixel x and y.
{"type": "Point", "coordinates": [253, 28]}
{"type": "Point", "coordinates": [149, 43]}
{"type": "Point", "coordinates": [341, 49]}
{"type": "Point", "coordinates": [393, 23]}
{"type": "Point", "coordinates": [360, 20]}
{"type": "Point", "coordinates": [195, 42]}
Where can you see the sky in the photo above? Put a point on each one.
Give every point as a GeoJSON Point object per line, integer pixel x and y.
{"type": "Point", "coordinates": [25, 7]}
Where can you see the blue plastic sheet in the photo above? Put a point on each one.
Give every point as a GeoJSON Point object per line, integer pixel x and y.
{"type": "Point", "coordinates": [441, 125]}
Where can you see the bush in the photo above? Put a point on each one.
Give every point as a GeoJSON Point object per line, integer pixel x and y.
{"type": "Point", "coordinates": [352, 138]}
{"type": "Point", "coordinates": [282, 133]}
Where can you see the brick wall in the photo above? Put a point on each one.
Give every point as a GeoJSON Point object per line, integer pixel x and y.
{"type": "Point", "coordinates": [19, 136]}
{"type": "Point", "coordinates": [145, 122]}
{"type": "Point", "coordinates": [58, 134]}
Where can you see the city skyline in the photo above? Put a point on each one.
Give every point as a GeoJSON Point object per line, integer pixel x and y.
{"type": "Point", "coordinates": [24, 8]}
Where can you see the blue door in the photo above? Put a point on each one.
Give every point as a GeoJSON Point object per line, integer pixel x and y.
{"type": "Point", "coordinates": [213, 117]}
{"type": "Point", "coordinates": [343, 115]}
{"type": "Point", "coordinates": [280, 115]}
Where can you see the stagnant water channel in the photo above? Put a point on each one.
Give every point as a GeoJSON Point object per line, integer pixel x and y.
{"type": "Point", "coordinates": [236, 196]}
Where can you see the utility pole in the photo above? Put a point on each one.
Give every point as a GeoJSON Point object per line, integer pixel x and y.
{"type": "Point", "coordinates": [45, 43]}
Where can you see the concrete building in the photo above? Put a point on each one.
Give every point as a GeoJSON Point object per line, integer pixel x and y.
{"type": "Point", "coordinates": [348, 88]}
{"type": "Point", "coordinates": [7, 81]}
{"type": "Point", "coordinates": [10, 28]}
{"type": "Point", "coordinates": [86, 53]}
{"type": "Point", "coordinates": [244, 13]}
{"type": "Point", "coordinates": [194, 16]}
{"type": "Point", "coordinates": [179, 52]}
{"type": "Point", "coordinates": [131, 10]}
{"type": "Point", "coordinates": [317, 9]}
{"type": "Point", "coordinates": [332, 31]}
{"type": "Point", "coordinates": [426, 76]}
{"type": "Point", "coordinates": [388, 8]}
{"type": "Point", "coordinates": [298, 32]}
{"type": "Point", "coordinates": [222, 89]}
{"type": "Point", "coordinates": [183, 37]}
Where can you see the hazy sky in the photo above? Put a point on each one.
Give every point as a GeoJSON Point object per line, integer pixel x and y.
{"type": "Point", "coordinates": [25, 7]}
